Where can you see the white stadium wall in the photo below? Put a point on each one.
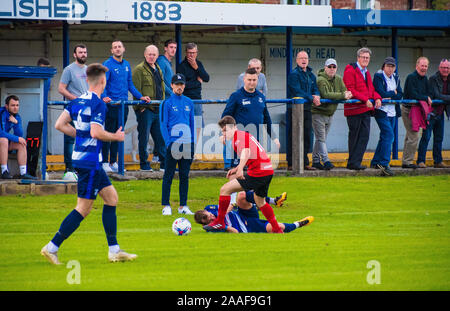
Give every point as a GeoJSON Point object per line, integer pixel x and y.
{"type": "Point", "coordinates": [225, 56]}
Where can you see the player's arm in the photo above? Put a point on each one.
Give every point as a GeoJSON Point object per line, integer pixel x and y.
{"type": "Point", "coordinates": [63, 124]}
{"type": "Point", "coordinates": [230, 229]}
{"type": "Point", "coordinates": [62, 89]}
{"type": "Point", "coordinates": [98, 132]}
{"type": "Point", "coordinates": [245, 155]}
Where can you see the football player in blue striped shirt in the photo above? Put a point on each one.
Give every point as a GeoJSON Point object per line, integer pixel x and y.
{"type": "Point", "coordinates": [88, 113]}
{"type": "Point", "coordinates": [244, 217]}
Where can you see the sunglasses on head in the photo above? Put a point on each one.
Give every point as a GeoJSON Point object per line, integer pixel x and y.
{"type": "Point", "coordinates": [331, 66]}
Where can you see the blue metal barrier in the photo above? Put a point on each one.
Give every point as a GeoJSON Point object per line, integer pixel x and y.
{"type": "Point", "coordinates": [124, 103]}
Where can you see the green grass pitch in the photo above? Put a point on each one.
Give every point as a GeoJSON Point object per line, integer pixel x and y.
{"type": "Point", "coordinates": [400, 223]}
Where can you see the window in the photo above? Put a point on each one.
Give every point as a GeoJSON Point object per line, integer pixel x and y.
{"type": "Point", "coordinates": [365, 4]}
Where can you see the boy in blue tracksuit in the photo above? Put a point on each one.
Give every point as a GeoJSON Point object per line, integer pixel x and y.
{"type": "Point", "coordinates": [178, 130]}
{"type": "Point", "coordinates": [118, 83]}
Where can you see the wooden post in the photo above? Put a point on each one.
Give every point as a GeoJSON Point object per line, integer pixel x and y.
{"type": "Point", "coordinates": [297, 139]}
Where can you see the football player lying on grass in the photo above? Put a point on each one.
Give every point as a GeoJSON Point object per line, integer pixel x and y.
{"type": "Point", "coordinates": [244, 217]}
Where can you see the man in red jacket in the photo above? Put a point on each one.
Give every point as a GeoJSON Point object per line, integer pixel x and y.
{"type": "Point", "coordinates": [357, 79]}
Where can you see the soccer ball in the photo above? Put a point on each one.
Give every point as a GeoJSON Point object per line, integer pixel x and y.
{"type": "Point", "coordinates": [181, 226]}
{"type": "Point", "coordinates": [70, 176]}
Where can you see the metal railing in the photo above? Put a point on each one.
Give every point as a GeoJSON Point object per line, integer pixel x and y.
{"type": "Point", "coordinates": [297, 153]}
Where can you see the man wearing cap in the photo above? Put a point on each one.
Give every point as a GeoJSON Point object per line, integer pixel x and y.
{"type": "Point", "coordinates": [178, 131]}
{"type": "Point", "coordinates": [357, 79]}
{"type": "Point", "coordinates": [331, 86]}
{"type": "Point", "coordinates": [387, 84]}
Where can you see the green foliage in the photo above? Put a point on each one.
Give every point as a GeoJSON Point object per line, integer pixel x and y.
{"type": "Point", "coordinates": [401, 222]}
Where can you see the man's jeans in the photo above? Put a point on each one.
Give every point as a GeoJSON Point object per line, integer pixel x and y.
{"type": "Point", "coordinates": [436, 126]}
{"type": "Point", "coordinates": [68, 150]}
{"type": "Point", "coordinates": [386, 124]}
{"type": "Point", "coordinates": [148, 122]}
{"type": "Point", "coordinates": [321, 125]}
{"type": "Point", "coordinates": [183, 154]}
{"type": "Point", "coordinates": [112, 125]}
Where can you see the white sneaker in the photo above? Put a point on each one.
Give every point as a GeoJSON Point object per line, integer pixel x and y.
{"type": "Point", "coordinates": [114, 167]}
{"type": "Point", "coordinates": [51, 257]}
{"type": "Point", "coordinates": [121, 256]}
{"type": "Point", "coordinates": [106, 167]}
{"type": "Point", "coordinates": [167, 210]}
{"type": "Point", "coordinates": [185, 210]}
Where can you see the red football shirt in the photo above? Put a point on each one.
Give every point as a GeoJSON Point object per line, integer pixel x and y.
{"type": "Point", "coordinates": [259, 163]}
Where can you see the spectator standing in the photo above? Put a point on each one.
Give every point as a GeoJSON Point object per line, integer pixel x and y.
{"type": "Point", "coordinates": [248, 107]}
{"type": "Point", "coordinates": [118, 83]}
{"type": "Point", "coordinates": [387, 84]}
{"type": "Point", "coordinates": [440, 89]}
{"type": "Point", "coordinates": [73, 84]}
{"type": "Point", "coordinates": [164, 62]}
{"type": "Point", "coordinates": [262, 83]}
{"type": "Point", "coordinates": [178, 130]}
{"type": "Point", "coordinates": [195, 75]}
{"type": "Point", "coordinates": [148, 79]}
{"type": "Point", "coordinates": [417, 88]}
{"type": "Point", "coordinates": [302, 84]}
{"type": "Point", "coordinates": [10, 121]}
{"type": "Point", "coordinates": [331, 86]}
{"type": "Point", "coordinates": [357, 79]}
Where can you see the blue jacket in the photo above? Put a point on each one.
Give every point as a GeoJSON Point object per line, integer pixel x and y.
{"type": "Point", "coordinates": [6, 126]}
{"type": "Point", "coordinates": [303, 84]}
{"type": "Point", "coordinates": [166, 68]}
{"type": "Point", "coordinates": [380, 85]}
{"type": "Point", "coordinates": [248, 108]}
{"type": "Point", "coordinates": [176, 119]}
{"type": "Point", "coordinates": [119, 80]}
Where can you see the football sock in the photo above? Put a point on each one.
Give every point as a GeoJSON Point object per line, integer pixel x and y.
{"type": "Point", "coordinates": [23, 169]}
{"type": "Point", "coordinates": [51, 247]}
{"type": "Point", "coordinates": [109, 220]}
{"type": "Point", "coordinates": [224, 202]}
{"type": "Point", "coordinates": [270, 200]}
{"type": "Point", "coordinates": [290, 227]}
{"type": "Point", "coordinates": [4, 168]}
{"type": "Point", "coordinates": [114, 249]}
{"type": "Point", "coordinates": [68, 226]}
{"type": "Point", "coordinates": [267, 211]}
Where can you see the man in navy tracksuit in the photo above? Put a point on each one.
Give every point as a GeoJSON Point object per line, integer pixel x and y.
{"type": "Point", "coordinates": [248, 107]}
{"type": "Point", "coordinates": [118, 83]}
{"type": "Point", "coordinates": [178, 130]}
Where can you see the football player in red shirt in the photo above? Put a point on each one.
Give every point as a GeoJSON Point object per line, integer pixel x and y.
{"type": "Point", "coordinates": [257, 178]}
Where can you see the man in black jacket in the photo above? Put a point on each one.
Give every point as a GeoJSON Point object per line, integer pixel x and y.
{"type": "Point", "coordinates": [439, 88]}
{"type": "Point", "coordinates": [195, 75]}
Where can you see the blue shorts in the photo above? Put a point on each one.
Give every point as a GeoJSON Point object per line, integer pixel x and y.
{"type": "Point", "coordinates": [253, 223]}
{"type": "Point", "coordinates": [91, 182]}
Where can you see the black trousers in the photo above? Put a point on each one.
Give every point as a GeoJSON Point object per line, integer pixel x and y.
{"type": "Point", "coordinates": [358, 137]}
{"type": "Point", "coordinates": [308, 136]}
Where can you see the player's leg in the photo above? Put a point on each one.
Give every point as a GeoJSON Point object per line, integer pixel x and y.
{"type": "Point", "coordinates": [184, 167]}
{"type": "Point", "coordinates": [267, 211]}
{"type": "Point", "coordinates": [68, 226]}
{"type": "Point", "coordinates": [224, 201]}
{"type": "Point", "coordinates": [4, 148]}
{"type": "Point", "coordinates": [278, 201]}
{"type": "Point", "coordinates": [21, 157]}
{"type": "Point", "coordinates": [109, 219]}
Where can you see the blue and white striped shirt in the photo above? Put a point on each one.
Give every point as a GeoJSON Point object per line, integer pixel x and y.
{"type": "Point", "coordinates": [84, 111]}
